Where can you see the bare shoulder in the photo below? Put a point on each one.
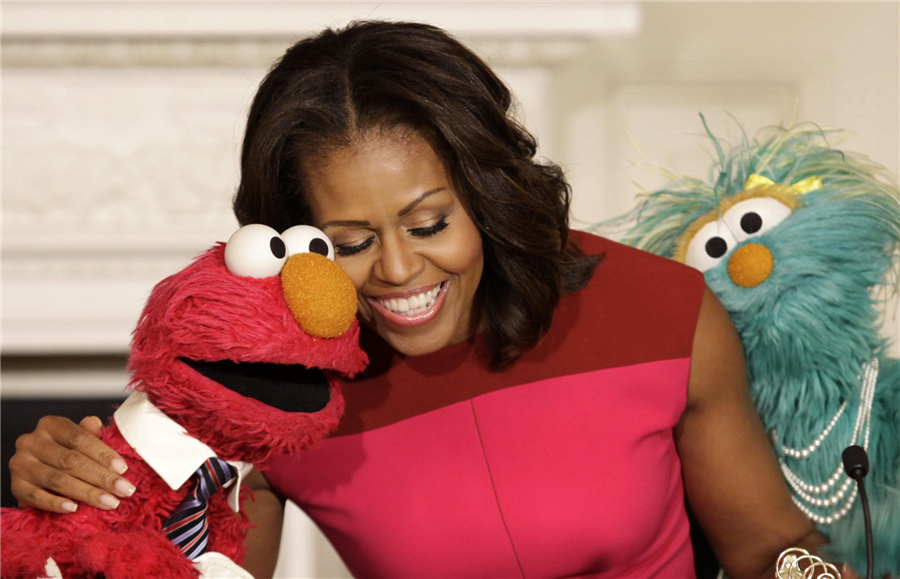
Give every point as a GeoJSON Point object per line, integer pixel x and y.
{"type": "Point", "coordinates": [718, 369]}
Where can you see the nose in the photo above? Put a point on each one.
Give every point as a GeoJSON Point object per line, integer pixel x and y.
{"type": "Point", "coordinates": [750, 265]}
{"type": "Point", "coordinates": [320, 294]}
{"type": "Point", "coordinates": [396, 264]}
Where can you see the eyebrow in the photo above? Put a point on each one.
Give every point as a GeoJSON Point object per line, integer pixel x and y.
{"type": "Point", "coordinates": [406, 209]}
{"type": "Point", "coordinates": [418, 200]}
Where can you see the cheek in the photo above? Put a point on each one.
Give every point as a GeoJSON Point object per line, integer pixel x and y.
{"type": "Point", "coordinates": [357, 269]}
{"type": "Point", "coordinates": [464, 255]}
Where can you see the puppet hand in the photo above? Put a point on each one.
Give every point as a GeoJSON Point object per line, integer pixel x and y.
{"type": "Point", "coordinates": [213, 565]}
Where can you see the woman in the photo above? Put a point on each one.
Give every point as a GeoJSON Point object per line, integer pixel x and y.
{"type": "Point", "coordinates": [525, 401]}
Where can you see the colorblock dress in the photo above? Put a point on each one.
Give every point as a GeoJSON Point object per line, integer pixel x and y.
{"type": "Point", "coordinates": [563, 465]}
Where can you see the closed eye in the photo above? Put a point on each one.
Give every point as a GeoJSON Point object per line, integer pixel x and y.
{"type": "Point", "coordinates": [348, 250]}
{"type": "Point", "coordinates": [421, 232]}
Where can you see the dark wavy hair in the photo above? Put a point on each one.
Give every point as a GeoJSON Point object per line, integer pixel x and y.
{"type": "Point", "coordinates": [329, 89]}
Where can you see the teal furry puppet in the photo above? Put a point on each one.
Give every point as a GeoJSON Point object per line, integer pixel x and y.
{"type": "Point", "coordinates": [794, 236]}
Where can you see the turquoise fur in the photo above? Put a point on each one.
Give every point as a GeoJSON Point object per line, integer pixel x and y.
{"type": "Point", "coordinates": [809, 327]}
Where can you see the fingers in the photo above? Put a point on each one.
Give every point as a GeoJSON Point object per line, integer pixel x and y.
{"type": "Point", "coordinates": [61, 483]}
{"type": "Point", "coordinates": [31, 496]}
{"type": "Point", "coordinates": [92, 424]}
{"type": "Point", "coordinates": [79, 468]}
{"type": "Point", "coordinates": [70, 435]}
{"type": "Point", "coordinates": [847, 572]}
{"type": "Point", "coordinates": [60, 461]}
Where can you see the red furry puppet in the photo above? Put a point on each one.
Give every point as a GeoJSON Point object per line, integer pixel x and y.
{"type": "Point", "coordinates": [227, 364]}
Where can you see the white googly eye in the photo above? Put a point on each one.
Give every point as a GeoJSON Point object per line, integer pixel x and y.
{"type": "Point", "coordinates": [755, 216]}
{"type": "Point", "coordinates": [308, 239]}
{"type": "Point", "coordinates": [709, 246]}
{"type": "Point", "coordinates": [255, 250]}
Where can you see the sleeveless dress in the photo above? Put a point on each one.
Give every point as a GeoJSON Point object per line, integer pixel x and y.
{"type": "Point", "coordinates": [563, 465]}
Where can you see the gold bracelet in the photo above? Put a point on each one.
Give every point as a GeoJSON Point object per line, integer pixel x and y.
{"type": "Point", "coordinates": [788, 566]}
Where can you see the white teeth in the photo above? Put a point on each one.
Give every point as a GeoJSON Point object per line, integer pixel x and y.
{"type": "Point", "coordinates": [413, 305]}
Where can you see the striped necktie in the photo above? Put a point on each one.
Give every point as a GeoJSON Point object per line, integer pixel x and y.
{"type": "Point", "coordinates": [187, 527]}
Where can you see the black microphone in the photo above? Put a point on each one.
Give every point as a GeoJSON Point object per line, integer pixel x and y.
{"type": "Point", "coordinates": [856, 464]}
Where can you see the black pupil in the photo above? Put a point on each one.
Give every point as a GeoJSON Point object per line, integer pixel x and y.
{"type": "Point", "coordinates": [277, 247]}
{"type": "Point", "coordinates": [319, 246]}
{"type": "Point", "coordinates": [751, 222]}
{"type": "Point", "coordinates": [716, 247]}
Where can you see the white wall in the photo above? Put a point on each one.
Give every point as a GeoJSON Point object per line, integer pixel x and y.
{"type": "Point", "coordinates": [122, 123]}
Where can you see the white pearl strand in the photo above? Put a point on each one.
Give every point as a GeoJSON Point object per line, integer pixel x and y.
{"type": "Point", "coordinates": [806, 452]}
{"type": "Point", "coordinates": [862, 426]}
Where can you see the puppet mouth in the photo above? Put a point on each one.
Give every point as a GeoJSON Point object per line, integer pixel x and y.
{"type": "Point", "coordinates": [291, 388]}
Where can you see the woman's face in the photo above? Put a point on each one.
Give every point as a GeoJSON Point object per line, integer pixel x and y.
{"type": "Point", "coordinates": [402, 233]}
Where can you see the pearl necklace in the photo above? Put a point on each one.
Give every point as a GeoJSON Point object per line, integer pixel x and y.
{"type": "Point", "coordinates": [805, 490]}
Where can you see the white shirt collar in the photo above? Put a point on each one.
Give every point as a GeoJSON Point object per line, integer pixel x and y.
{"type": "Point", "coordinates": [166, 446]}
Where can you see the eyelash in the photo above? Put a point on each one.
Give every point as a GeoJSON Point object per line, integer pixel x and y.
{"type": "Point", "coordinates": [422, 232]}
{"type": "Point", "coordinates": [348, 250]}
{"type": "Point", "coordinates": [418, 232]}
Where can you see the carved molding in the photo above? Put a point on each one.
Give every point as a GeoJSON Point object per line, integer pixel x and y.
{"type": "Point", "coordinates": [238, 52]}
{"type": "Point", "coordinates": [466, 19]}
{"type": "Point", "coordinates": [186, 34]}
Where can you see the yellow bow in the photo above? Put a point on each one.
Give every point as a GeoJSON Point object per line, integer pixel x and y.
{"type": "Point", "coordinates": [800, 187]}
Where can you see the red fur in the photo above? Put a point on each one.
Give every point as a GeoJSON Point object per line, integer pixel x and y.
{"type": "Point", "coordinates": [203, 313]}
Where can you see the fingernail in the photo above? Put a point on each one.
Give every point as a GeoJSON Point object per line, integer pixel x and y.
{"type": "Point", "coordinates": [69, 506]}
{"type": "Point", "coordinates": [123, 487]}
{"type": "Point", "coordinates": [109, 501]}
{"type": "Point", "coordinates": [119, 465]}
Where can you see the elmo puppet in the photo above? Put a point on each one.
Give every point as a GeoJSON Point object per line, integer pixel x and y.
{"type": "Point", "coordinates": [795, 238]}
{"type": "Point", "coordinates": [227, 366]}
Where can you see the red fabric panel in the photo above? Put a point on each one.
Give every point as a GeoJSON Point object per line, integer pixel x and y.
{"type": "Point", "coordinates": [638, 308]}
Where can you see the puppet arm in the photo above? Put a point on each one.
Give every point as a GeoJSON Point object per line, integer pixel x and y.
{"type": "Point", "coordinates": [731, 475]}
{"type": "Point", "coordinates": [266, 513]}
{"type": "Point", "coordinates": [128, 554]}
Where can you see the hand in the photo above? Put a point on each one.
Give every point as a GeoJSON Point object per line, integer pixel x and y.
{"type": "Point", "coordinates": [62, 460]}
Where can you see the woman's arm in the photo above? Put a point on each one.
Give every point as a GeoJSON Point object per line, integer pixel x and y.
{"type": "Point", "coordinates": [62, 460]}
{"type": "Point", "coordinates": [266, 511]}
{"type": "Point", "coordinates": [731, 475]}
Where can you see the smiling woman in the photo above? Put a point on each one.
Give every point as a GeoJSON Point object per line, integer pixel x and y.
{"type": "Point", "coordinates": [352, 127]}
{"type": "Point", "coordinates": [521, 415]}
{"type": "Point", "coordinates": [402, 233]}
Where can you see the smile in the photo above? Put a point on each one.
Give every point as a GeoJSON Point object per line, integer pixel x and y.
{"type": "Point", "coordinates": [412, 310]}
{"type": "Point", "coordinates": [412, 305]}
{"type": "Point", "coordinates": [291, 388]}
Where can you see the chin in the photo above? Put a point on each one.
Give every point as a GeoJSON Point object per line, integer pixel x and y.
{"type": "Point", "coordinates": [416, 345]}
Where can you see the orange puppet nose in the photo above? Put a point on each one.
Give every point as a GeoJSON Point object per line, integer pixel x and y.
{"type": "Point", "coordinates": [750, 265]}
{"type": "Point", "coordinates": [319, 294]}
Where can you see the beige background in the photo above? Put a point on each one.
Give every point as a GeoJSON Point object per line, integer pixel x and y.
{"type": "Point", "coordinates": [122, 123]}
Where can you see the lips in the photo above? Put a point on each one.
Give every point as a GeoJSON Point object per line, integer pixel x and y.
{"type": "Point", "coordinates": [411, 308]}
{"type": "Point", "coordinates": [290, 388]}
{"type": "Point", "coordinates": [410, 303]}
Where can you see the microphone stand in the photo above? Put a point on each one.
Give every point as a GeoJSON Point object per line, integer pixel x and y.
{"type": "Point", "coordinates": [856, 464]}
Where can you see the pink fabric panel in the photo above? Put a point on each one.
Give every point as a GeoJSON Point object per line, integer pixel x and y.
{"type": "Point", "coordinates": [587, 474]}
{"type": "Point", "coordinates": [568, 477]}
{"type": "Point", "coordinates": [413, 499]}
